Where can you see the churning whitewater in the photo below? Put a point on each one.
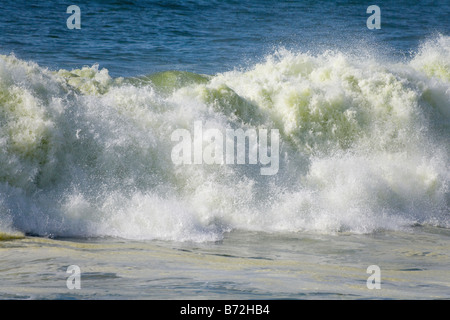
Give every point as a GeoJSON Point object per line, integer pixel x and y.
{"type": "Point", "coordinates": [364, 146]}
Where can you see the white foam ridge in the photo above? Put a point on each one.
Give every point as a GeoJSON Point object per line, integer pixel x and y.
{"type": "Point", "coordinates": [364, 146]}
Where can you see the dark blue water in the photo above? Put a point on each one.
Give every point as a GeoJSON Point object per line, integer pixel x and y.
{"type": "Point", "coordinates": [141, 37]}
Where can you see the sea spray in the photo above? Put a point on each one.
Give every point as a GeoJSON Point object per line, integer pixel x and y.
{"type": "Point", "coordinates": [364, 146]}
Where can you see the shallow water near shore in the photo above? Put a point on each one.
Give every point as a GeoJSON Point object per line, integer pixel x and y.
{"type": "Point", "coordinates": [244, 265]}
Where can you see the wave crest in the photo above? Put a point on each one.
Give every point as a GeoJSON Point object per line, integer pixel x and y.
{"type": "Point", "coordinates": [364, 147]}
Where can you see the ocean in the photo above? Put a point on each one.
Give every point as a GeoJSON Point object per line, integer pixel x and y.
{"type": "Point", "coordinates": [210, 150]}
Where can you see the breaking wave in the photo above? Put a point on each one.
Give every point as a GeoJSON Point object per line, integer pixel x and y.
{"type": "Point", "coordinates": [364, 146]}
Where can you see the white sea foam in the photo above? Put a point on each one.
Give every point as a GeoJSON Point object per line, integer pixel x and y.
{"type": "Point", "coordinates": [364, 145]}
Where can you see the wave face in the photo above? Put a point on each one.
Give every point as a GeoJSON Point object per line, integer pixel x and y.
{"type": "Point", "coordinates": [364, 146]}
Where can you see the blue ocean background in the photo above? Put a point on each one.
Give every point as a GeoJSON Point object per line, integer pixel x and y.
{"type": "Point", "coordinates": [132, 38]}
